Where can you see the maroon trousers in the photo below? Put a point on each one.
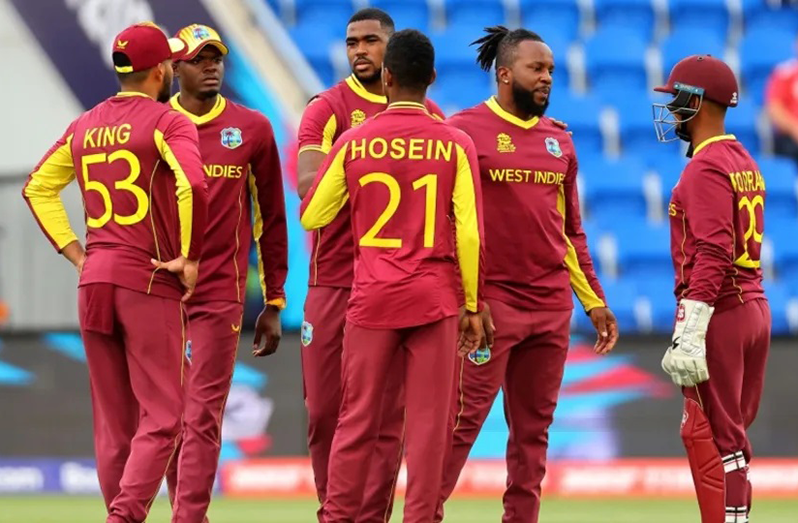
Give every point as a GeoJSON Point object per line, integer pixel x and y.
{"type": "Point", "coordinates": [134, 350]}
{"type": "Point", "coordinates": [527, 360]}
{"type": "Point", "coordinates": [738, 342]}
{"type": "Point", "coordinates": [429, 352]}
{"type": "Point", "coordinates": [214, 329]}
{"type": "Point", "coordinates": [322, 340]}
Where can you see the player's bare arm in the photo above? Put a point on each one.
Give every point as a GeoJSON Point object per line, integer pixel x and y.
{"type": "Point", "coordinates": [76, 254]}
{"type": "Point", "coordinates": [308, 165]}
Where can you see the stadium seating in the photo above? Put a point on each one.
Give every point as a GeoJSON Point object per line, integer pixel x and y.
{"type": "Point", "coordinates": [688, 41]}
{"type": "Point", "coordinates": [615, 37]}
{"type": "Point", "coordinates": [551, 17]}
{"type": "Point", "coordinates": [710, 16]}
{"type": "Point", "coordinates": [760, 52]}
{"type": "Point", "coordinates": [407, 13]}
{"type": "Point", "coordinates": [637, 15]}
{"type": "Point", "coordinates": [615, 61]}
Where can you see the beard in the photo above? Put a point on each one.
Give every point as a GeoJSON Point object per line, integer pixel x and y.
{"type": "Point", "coordinates": [166, 90]}
{"type": "Point", "coordinates": [525, 101]}
{"type": "Point", "coordinates": [376, 76]}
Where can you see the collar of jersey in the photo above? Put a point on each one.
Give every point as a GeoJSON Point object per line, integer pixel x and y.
{"type": "Point", "coordinates": [129, 94]}
{"type": "Point", "coordinates": [218, 107]}
{"type": "Point", "coordinates": [407, 105]}
{"type": "Point", "coordinates": [361, 91]}
{"type": "Point", "coordinates": [714, 139]}
{"type": "Point", "coordinates": [494, 106]}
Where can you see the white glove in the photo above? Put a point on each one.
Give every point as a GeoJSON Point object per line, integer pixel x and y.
{"type": "Point", "coordinates": [686, 358]}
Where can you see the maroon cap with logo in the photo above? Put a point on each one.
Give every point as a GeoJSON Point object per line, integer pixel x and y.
{"type": "Point", "coordinates": [144, 46]}
{"type": "Point", "coordinates": [707, 73]}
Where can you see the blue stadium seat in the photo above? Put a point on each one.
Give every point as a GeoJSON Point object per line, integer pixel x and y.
{"type": "Point", "coordinates": [549, 17]}
{"type": "Point", "coordinates": [760, 52]}
{"type": "Point", "coordinates": [582, 116]}
{"type": "Point", "coordinates": [615, 62]}
{"type": "Point", "coordinates": [706, 15]}
{"type": "Point", "coordinates": [406, 13]}
{"type": "Point", "coordinates": [636, 124]}
{"type": "Point", "coordinates": [781, 232]}
{"type": "Point", "coordinates": [759, 16]}
{"type": "Point", "coordinates": [689, 41]}
{"type": "Point", "coordinates": [658, 289]}
{"type": "Point", "coordinates": [741, 122]}
{"type": "Point", "coordinates": [644, 250]}
{"type": "Point", "coordinates": [613, 190]}
{"type": "Point", "coordinates": [621, 294]}
{"type": "Point", "coordinates": [781, 181]}
{"type": "Point", "coordinates": [778, 299]}
{"type": "Point", "coordinates": [319, 13]}
{"type": "Point", "coordinates": [473, 15]}
{"type": "Point", "coordinates": [668, 168]}
{"type": "Point", "coordinates": [314, 42]}
{"type": "Point", "coordinates": [637, 15]}
{"type": "Point", "coordinates": [459, 89]}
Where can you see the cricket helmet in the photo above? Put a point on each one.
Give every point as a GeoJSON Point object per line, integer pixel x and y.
{"type": "Point", "coordinates": [701, 76]}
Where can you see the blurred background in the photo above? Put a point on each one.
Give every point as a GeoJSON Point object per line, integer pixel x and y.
{"type": "Point", "coordinates": [618, 417]}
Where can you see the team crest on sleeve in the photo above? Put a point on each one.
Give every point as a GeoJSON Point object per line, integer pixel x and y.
{"type": "Point", "coordinates": [504, 144]}
{"type": "Point", "coordinates": [306, 333]}
{"type": "Point", "coordinates": [553, 146]}
{"type": "Point", "coordinates": [231, 137]}
{"type": "Point", "coordinates": [480, 356]}
{"type": "Point", "coordinates": [357, 117]}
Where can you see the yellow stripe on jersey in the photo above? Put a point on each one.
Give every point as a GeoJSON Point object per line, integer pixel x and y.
{"type": "Point", "coordinates": [330, 196]}
{"type": "Point", "coordinates": [714, 139]}
{"type": "Point", "coordinates": [216, 110]}
{"type": "Point", "coordinates": [494, 106]}
{"type": "Point", "coordinates": [185, 197]}
{"type": "Point", "coordinates": [467, 229]}
{"type": "Point", "coordinates": [43, 193]}
{"type": "Point", "coordinates": [328, 134]}
{"type": "Point", "coordinates": [257, 230]}
{"type": "Point", "coordinates": [587, 296]}
{"type": "Point", "coordinates": [362, 92]}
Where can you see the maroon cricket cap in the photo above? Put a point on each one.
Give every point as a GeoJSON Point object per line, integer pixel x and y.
{"type": "Point", "coordinates": [145, 46]}
{"type": "Point", "coordinates": [703, 72]}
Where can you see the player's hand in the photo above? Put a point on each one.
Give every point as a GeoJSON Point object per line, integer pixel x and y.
{"type": "Point", "coordinates": [76, 255]}
{"type": "Point", "coordinates": [686, 359]}
{"type": "Point", "coordinates": [471, 334]}
{"type": "Point", "coordinates": [606, 328]}
{"type": "Point", "coordinates": [268, 325]}
{"type": "Point", "coordinates": [187, 271]}
{"type": "Point", "coordinates": [562, 125]}
{"type": "Point", "coordinates": [488, 326]}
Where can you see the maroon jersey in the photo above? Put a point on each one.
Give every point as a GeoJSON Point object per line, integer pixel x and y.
{"type": "Point", "coordinates": [537, 250]}
{"type": "Point", "coordinates": [407, 177]}
{"type": "Point", "coordinates": [144, 193]}
{"type": "Point", "coordinates": [328, 115]}
{"type": "Point", "coordinates": [245, 196]}
{"type": "Point", "coordinates": [717, 220]}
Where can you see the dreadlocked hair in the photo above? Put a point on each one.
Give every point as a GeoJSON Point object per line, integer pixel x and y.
{"type": "Point", "coordinates": [499, 44]}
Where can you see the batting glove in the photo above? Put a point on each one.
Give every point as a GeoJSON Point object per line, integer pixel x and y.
{"type": "Point", "coordinates": [686, 359]}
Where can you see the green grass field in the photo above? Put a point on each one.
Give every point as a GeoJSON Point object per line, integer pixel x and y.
{"type": "Point", "coordinates": [88, 510]}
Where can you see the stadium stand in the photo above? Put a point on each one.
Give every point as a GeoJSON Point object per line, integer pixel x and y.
{"type": "Point", "coordinates": [609, 53]}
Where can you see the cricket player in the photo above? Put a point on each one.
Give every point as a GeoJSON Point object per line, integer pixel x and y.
{"type": "Point", "coordinates": [245, 196]}
{"type": "Point", "coordinates": [346, 105]}
{"type": "Point", "coordinates": [537, 255]}
{"type": "Point", "coordinates": [407, 177]}
{"type": "Point", "coordinates": [139, 170]}
{"type": "Point", "coordinates": [721, 336]}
